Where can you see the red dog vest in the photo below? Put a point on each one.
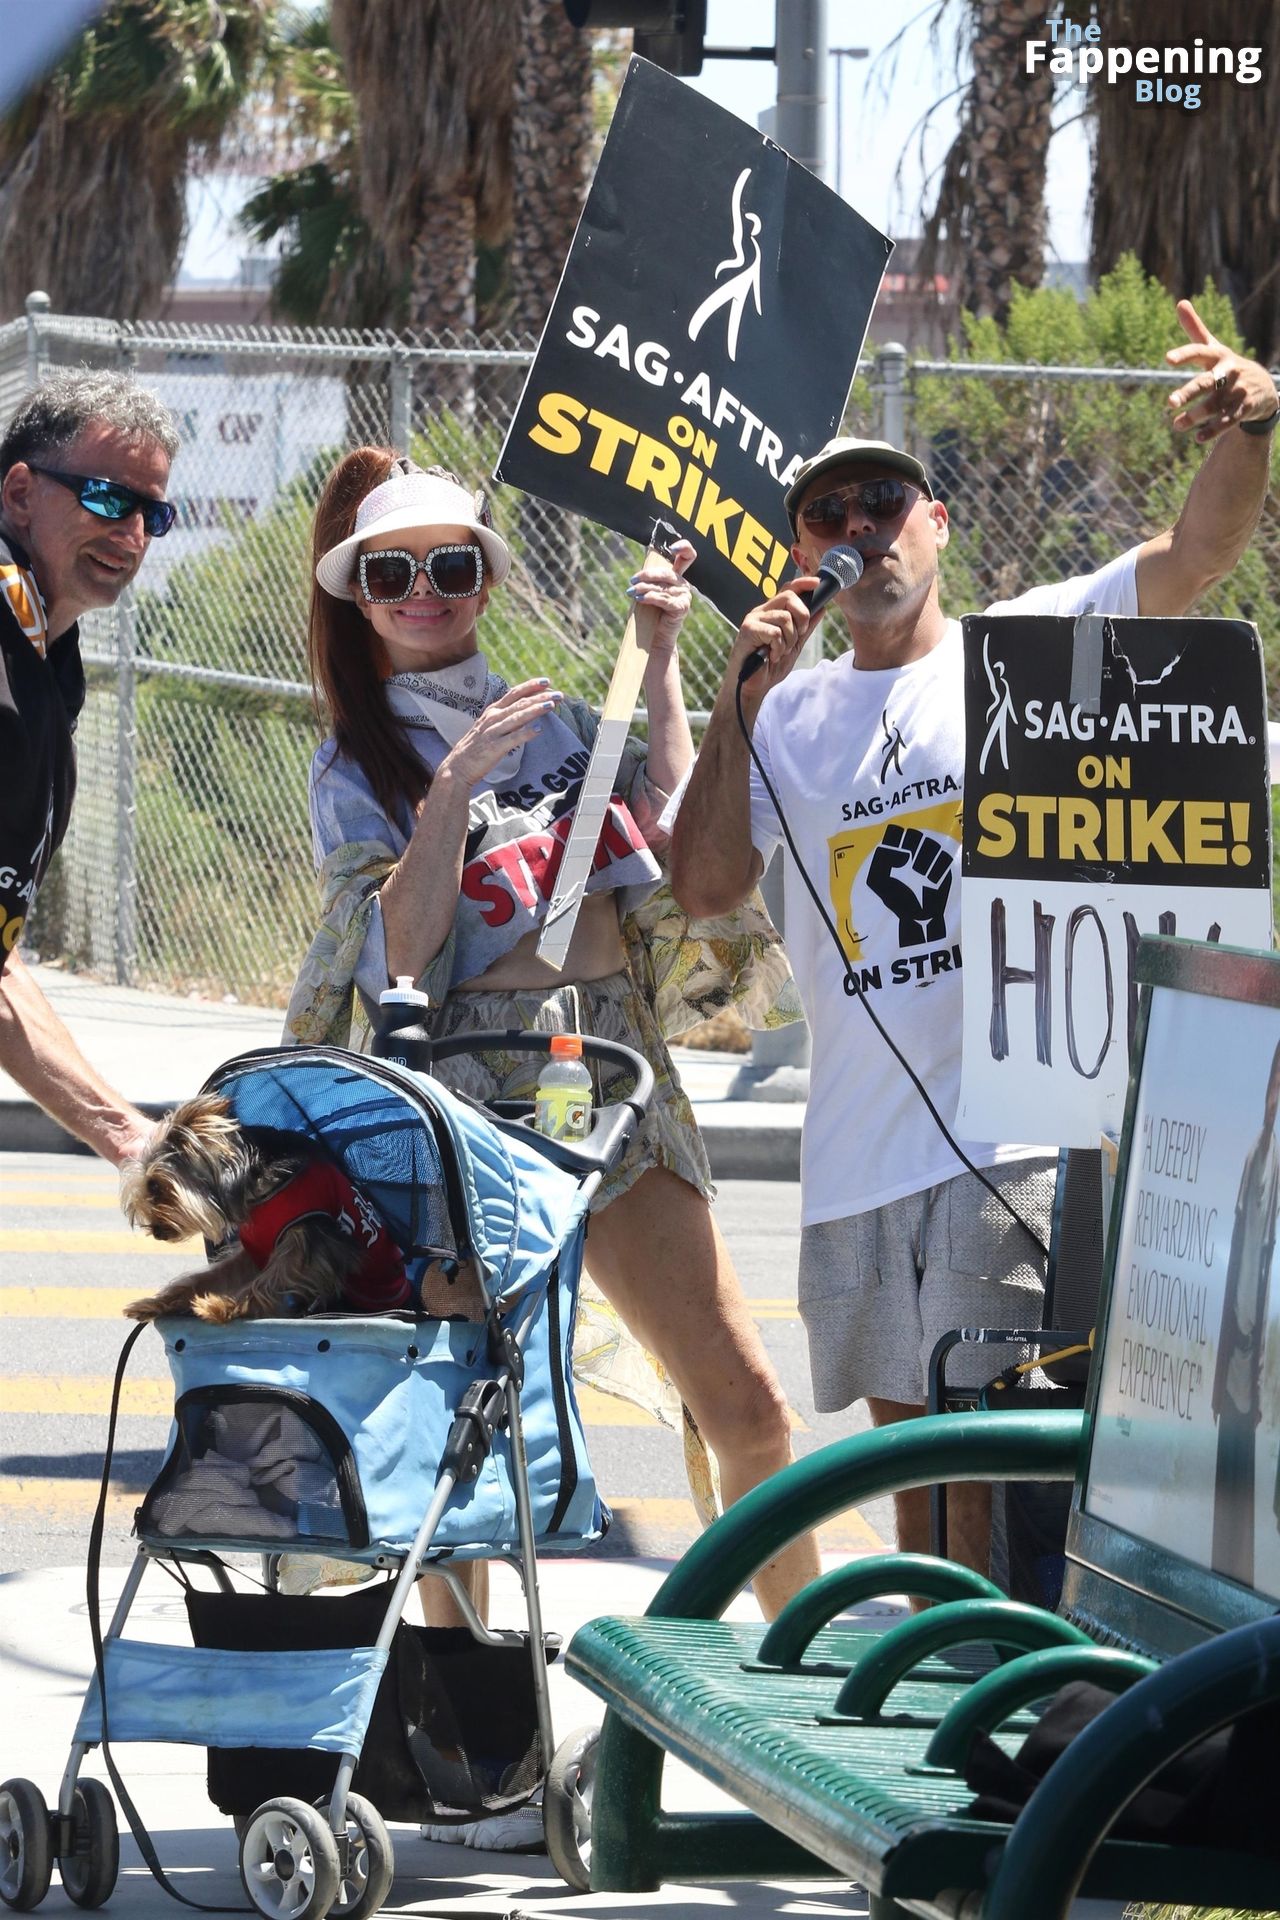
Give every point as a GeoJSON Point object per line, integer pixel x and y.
{"type": "Point", "coordinates": [323, 1191]}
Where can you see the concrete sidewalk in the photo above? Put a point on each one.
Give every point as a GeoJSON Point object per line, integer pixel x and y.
{"type": "Point", "coordinates": [158, 1049]}
{"type": "Point", "coordinates": [45, 1666]}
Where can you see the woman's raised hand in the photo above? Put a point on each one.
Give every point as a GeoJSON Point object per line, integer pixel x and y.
{"type": "Point", "coordinates": [660, 584]}
{"type": "Point", "coordinates": [509, 722]}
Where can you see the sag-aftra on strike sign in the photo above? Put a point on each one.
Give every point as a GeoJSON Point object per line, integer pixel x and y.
{"type": "Point", "coordinates": [1146, 809]}
{"type": "Point", "coordinates": [702, 342]}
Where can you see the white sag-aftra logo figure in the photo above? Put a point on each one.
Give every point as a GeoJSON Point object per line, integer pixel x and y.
{"type": "Point", "coordinates": [1000, 710]}
{"type": "Point", "coordinates": [744, 283]}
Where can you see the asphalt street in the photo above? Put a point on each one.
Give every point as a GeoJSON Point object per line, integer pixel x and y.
{"type": "Point", "coordinates": [69, 1262]}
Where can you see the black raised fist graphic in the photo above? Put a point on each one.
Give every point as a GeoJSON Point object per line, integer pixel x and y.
{"type": "Point", "coordinates": [911, 872]}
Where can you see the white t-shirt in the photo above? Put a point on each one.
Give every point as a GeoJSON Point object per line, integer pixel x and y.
{"type": "Point", "coordinates": [868, 767]}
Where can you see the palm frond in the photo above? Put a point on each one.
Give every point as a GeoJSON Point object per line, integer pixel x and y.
{"type": "Point", "coordinates": [1195, 195]}
{"type": "Point", "coordinates": [110, 138]}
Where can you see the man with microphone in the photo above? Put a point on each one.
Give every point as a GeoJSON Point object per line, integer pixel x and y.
{"type": "Point", "coordinates": [863, 762]}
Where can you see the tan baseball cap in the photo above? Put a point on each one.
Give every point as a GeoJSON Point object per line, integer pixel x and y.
{"type": "Point", "coordinates": [843, 452]}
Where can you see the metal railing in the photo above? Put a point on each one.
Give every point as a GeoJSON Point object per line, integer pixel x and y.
{"type": "Point", "coordinates": [188, 865]}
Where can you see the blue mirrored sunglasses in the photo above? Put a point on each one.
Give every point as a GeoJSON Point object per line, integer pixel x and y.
{"type": "Point", "coordinates": [112, 500]}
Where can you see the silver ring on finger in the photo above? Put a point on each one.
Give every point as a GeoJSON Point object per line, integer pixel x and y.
{"type": "Point", "coordinates": [1220, 384]}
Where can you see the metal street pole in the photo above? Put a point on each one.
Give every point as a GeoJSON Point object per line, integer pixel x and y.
{"type": "Point", "coordinates": [800, 33]}
{"type": "Point", "coordinates": [840, 55]}
{"type": "Point", "coordinates": [779, 1067]}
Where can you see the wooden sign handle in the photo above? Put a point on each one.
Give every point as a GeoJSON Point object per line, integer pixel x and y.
{"type": "Point", "coordinates": [598, 780]}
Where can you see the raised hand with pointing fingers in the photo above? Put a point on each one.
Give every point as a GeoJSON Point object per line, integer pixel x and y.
{"type": "Point", "coordinates": [1227, 390]}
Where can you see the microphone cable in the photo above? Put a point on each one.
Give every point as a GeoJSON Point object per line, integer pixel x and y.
{"type": "Point", "coordinates": [851, 987]}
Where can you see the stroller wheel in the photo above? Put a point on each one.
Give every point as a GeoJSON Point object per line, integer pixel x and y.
{"type": "Point", "coordinates": [26, 1852]}
{"type": "Point", "coordinates": [89, 1874]}
{"type": "Point", "coordinates": [566, 1807]}
{"type": "Point", "coordinates": [371, 1865]}
{"type": "Point", "coordinates": [289, 1860]}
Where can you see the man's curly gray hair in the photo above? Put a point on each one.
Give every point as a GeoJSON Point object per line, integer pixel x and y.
{"type": "Point", "coordinates": [61, 407]}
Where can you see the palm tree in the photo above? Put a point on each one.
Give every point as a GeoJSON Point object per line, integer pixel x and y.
{"type": "Point", "coordinates": [94, 162]}
{"type": "Point", "coordinates": [551, 140]}
{"type": "Point", "coordinates": [432, 81]}
{"type": "Point", "coordinates": [333, 268]}
{"type": "Point", "coordinates": [988, 224]}
{"type": "Point", "coordinates": [1196, 195]}
{"type": "Point", "coordinates": [552, 145]}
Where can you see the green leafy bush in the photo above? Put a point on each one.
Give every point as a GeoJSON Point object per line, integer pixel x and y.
{"type": "Point", "coordinates": [1049, 478]}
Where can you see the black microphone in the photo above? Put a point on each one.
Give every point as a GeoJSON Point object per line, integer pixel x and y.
{"type": "Point", "coordinates": [840, 567]}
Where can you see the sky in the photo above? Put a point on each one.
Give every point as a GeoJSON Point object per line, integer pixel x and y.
{"type": "Point", "coordinates": [885, 97]}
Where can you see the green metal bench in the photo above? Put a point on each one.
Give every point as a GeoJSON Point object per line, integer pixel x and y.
{"type": "Point", "coordinates": [843, 1741]}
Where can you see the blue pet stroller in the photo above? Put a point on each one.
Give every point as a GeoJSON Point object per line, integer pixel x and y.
{"type": "Point", "coordinates": [402, 1442]}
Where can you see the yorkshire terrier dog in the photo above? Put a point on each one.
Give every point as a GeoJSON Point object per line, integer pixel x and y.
{"type": "Point", "coordinates": [306, 1240]}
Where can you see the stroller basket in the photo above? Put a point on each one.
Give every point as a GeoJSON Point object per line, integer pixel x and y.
{"type": "Point", "coordinates": [278, 1688]}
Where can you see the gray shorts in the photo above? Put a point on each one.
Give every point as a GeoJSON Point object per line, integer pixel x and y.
{"type": "Point", "coordinates": [878, 1289]}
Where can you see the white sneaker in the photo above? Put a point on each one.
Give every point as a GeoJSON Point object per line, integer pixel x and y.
{"type": "Point", "coordinates": [519, 1831]}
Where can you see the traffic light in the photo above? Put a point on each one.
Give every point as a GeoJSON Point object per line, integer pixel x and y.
{"type": "Point", "coordinates": [668, 32]}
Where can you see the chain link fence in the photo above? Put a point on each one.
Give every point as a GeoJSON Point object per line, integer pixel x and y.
{"type": "Point", "coordinates": [188, 866]}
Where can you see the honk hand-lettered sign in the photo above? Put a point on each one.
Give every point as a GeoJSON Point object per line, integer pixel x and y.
{"type": "Point", "coordinates": [703, 339]}
{"type": "Point", "coordinates": [1136, 800]}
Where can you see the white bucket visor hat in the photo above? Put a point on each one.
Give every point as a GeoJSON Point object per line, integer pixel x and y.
{"type": "Point", "coordinates": [402, 503]}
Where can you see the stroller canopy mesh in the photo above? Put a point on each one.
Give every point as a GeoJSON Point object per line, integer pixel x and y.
{"type": "Point", "coordinates": [444, 1177]}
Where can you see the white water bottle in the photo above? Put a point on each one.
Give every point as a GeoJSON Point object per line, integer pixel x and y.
{"type": "Point", "coordinates": [402, 1032]}
{"type": "Point", "coordinates": [562, 1105]}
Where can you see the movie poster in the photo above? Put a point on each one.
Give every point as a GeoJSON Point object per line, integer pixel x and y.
{"type": "Point", "coordinates": [702, 342]}
{"type": "Point", "coordinates": [1116, 783]}
{"type": "Point", "coordinates": [1186, 1444]}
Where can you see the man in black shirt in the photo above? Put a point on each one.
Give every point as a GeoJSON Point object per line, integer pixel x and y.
{"type": "Point", "coordinates": [83, 469]}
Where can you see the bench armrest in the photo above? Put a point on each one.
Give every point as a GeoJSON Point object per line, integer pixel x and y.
{"type": "Point", "coordinates": [1000, 1623]}
{"type": "Point", "coordinates": [816, 1606]}
{"type": "Point", "coordinates": [1088, 1786]}
{"type": "Point", "coordinates": [997, 1696]}
{"type": "Point", "coordinates": [911, 1453]}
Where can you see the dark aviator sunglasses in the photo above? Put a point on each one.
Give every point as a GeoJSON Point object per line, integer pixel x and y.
{"type": "Point", "coordinates": [112, 500]}
{"type": "Point", "coordinates": [453, 573]}
{"type": "Point", "coordinates": [880, 500]}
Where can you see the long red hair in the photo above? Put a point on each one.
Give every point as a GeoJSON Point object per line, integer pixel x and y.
{"type": "Point", "coordinates": [347, 660]}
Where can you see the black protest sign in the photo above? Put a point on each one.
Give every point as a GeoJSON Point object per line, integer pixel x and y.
{"type": "Point", "coordinates": [702, 341]}
{"type": "Point", "coordinates": [1116, 784]}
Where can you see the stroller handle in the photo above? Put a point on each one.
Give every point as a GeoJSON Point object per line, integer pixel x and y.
{"type": "Point", "coordinates": [612, 1126]}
